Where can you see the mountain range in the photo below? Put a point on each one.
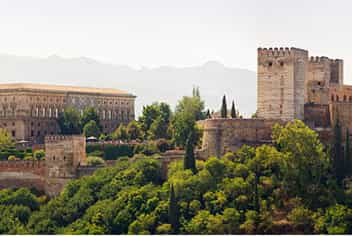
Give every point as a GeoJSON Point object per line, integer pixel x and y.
{"type": "Point", "coordinates": [165, 83]}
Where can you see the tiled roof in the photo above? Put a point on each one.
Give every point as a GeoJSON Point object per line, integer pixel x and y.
{"type": "Point", "coordinates": [62, 88]}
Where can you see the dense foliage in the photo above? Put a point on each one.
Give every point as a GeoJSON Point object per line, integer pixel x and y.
{"type": "Point", "coordinates": [290, 187]}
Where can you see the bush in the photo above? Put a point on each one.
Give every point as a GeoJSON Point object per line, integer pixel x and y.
{"type": "Point", "coordinates": [12, 158]}
{"type": "Point", "coordinates": [39, 154]}
{"type": "Point", "coordinates": [301, 219]}
{"type": "Point", "coordinates": [29, 158]}
{"type": "Point", "coordinates": [110, 151]}
{"type": "Point", "coordinates": [163, 145]}
{"type": "Point", "coordinates": [95, 161]}
{"type": "Point", "coordinates": [96, 153]}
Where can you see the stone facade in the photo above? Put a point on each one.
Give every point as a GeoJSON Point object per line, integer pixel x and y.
{"type": "Point", "coordinates": [29, 111]}
{"type": "Point", "coordinates": [281, 83]}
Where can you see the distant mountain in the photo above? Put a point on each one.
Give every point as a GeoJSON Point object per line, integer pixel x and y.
{"type": "Point", "coordinates": [165, 83]}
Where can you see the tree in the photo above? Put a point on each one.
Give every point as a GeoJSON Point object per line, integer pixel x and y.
{"type": "Point", "coordinates": [91, 129]}
{"type": "Point", "coordinates": [90, 114]}
{"type": "Point", "coordinates": [193, 105]}
{"type": "Point", "coordinates": [5, 139]}
{"type": "Point", "coordinates": [337, 155]}
{"type": "Point", "coordinates": [223, 108]}
{"type": "Point", "coordinates": [39, 154]}
{"type": "Point", "coordinates": [158, 129]}
{"type": "Point", "coordinates": [182, 125]}
{"type": "Point", "coordinates": [134, 130]}
{"type": "Point", "coordinates": [173, 210]}
{"type": "Point", "coordinates": [69, 121]}
{"type": "Point", "coordinates": [207, 115]}
{"type": "Point", "coordinates": [149, 114]}
{"type": "Point", "coordinates": [189, 161]}
{"type": "Point", "coordinates": [120, 133]}
{"type": "Point", "coordinates": [233, 110]}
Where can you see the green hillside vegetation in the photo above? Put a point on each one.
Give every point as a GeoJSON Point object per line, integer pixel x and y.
{"type": "Point", "coordinates": [289, 187]}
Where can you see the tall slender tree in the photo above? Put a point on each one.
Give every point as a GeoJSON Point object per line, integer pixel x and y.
{"type": "Point", "coordinates": [223, 107]}
{"type": "Point", "coordinates": [207, 115]}
{"type": "Point", "coordinates": [189, 161]}
{"type": "Point", "coordinates": [347, 155]}
{"type": "Point", "coordinates": [337, 154]}
{"type": "Point", "coordinates": [233, 110]}
{"type": "Point", "coordinates": [173, 210]}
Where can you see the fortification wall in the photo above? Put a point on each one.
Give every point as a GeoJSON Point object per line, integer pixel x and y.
{"type": "Point", "coordinates": [223, 135]}
{"type": "Point", "coordinates": [317, 115]}
{"type": "Point", "coordinates": [15, 174]}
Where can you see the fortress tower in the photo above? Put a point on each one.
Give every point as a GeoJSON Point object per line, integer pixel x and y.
{"type": "Point", "coordinates": [282, 75]}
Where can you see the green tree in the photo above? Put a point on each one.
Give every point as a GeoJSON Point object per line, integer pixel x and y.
{"type": "Point", "coordinates": [91, 129]}
{"type": "Point", "coordinates": [149, 114]}
{"type": "Point", "coordinates": [158, 129]}
{"type": "Point", "coordinates": [233, 110]}
{"type": "Point", "coordinates": [90, 114]}
{"type": "Point", "coordinates": [192, 105]}
{"type": "Point", "coordinates": [120, 133]}
{"type": "Point", "coordinates": [69, 121]}
{"type": "Point", "coordinates": [189, 161]}
{"type": "Point", "coordinates": [134, 130]}
{"type": "Point", "coordinates": [337, 155]}
{"type": "Point", "coordinates": [173, 210]}
{"type": "Point", "coordinates": [6, 140]}
{"type": "Point", "coordinates": [223, 108]}
{"type": "Point", "coordinates": [183, 124]}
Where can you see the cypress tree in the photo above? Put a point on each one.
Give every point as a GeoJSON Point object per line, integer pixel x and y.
{"type": "Point", "coordinates": [224, 108]}
{"type": "Point", "coordinates": [207, 115]}
{"type": "Point", "coordinates": [173, 210]}
{"type": "Point", "coordinates": [189, 161]}
{"type": "Point", "coordinates": [337, 154]}
{"type": "Point", "coordinates": [233, 110]}
{"type": "Point", "coordinates": [347, 155]}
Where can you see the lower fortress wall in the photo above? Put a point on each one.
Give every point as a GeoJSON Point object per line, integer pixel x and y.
{"type": "Point", "coordinates": [224, 135]}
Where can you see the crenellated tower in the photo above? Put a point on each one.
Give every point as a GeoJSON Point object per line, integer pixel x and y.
{"type": "Point", "coordinates": [282, 75]}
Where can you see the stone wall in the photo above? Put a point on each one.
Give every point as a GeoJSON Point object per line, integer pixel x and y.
{"type": "Point", "coordinates": [223, 135]}
{"type": "Point", "coordinates": [317, 115]}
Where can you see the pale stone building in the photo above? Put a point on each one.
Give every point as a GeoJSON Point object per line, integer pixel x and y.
{"type": "Point", "coordinates": [30, 111]}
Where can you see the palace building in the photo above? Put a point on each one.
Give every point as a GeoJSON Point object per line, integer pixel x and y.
{"type": "Point", "coordinates": [29, 111]}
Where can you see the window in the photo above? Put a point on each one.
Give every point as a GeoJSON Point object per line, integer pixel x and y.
{"type": "Point", "coordinates": [332, 98]}
{"type": "Point", "coordinates": [270, 64]}
{"type": "Point", "coordinates": [281, 63]}
{"type": "Point", "coordinates": [13, 133]}
{"type": "Point", "coordinates": [344, 98]}
{"type": "Point", "coordinates": [50, 112]}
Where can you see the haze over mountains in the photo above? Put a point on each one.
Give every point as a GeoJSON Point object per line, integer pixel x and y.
{"type": "Point", "coordinates": [165, 83]}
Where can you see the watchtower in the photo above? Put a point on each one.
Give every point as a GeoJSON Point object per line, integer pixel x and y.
{"type": "Point", "coordinates": [63, 155]}
{"type": "Point", "coordinates": [282, 74]}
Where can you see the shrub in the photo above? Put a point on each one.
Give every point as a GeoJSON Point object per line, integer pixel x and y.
{"type": "Point", "coordinates": [29, 158]}
{"type": "Point", "coordinates": [39, 154]}
{"type": "Point", "coordinates": [163, 145]}
{"type": "Point", "coordinates": [12, 158]}
{"type": "Point", "coordinates": [95, 161]}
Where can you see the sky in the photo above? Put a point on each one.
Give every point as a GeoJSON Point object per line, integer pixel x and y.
{"type": "Point", "coordinates": [154, 33]}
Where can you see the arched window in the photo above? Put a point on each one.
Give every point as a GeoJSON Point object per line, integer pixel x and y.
{"type": "Point", "coordinates": [56, 113]}
{"type": "Point", "coordinates": [50, 112]}
{"type": "Point", "coordinates": [337, 98]}
{"type": "Point", "coordinates": [344, 98]}
{"type": "Point", "coordinates": [109, 115]}
{"type": "Point", "coordinates": [332, 97]}
{"type": "Point", "coordinates": [104, 114]}
{"type": "Point", "coordinates": [43, 111]}
{"type": "Point", "coordinates": [37, 111]}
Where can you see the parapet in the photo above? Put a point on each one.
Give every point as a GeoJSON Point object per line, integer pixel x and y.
{"type": "Point", "coordinates": [319, 59]}
{"type": "Point", "coordinates": [281, 51]}
{"type": "Point", "coordinates": [58, 138]}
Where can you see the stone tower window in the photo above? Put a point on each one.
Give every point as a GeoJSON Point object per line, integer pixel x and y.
{"type": "Point", "coordinates": [350, 98]}
{"type": "Point", "coordinates": [344, 98]}
{"type": "Point", "coordinates": [332, 98]}
{"type": "Point", "coordinates": [64, 158]}
{"type": "Point", "coordinates": [281, 63]}
{"type": "Point", "coordinates": [53, 158]}
{"type": "Point", "coordinates": [270, 64]}
{"type": "Point", "coordinates": [337, 98]}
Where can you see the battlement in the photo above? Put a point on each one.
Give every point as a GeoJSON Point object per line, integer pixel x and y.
{"type": "Point", "coordinates": [280, 51]}
{"type": "Point", "coordinates": [22, 164]}
{"type": "Point", "coordinates": [57, 138]}
{"type": "Point", "coordinates": [319, 59]}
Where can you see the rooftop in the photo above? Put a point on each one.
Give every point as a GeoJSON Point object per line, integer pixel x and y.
{"type": "Point", "coordinates": [62, 88]}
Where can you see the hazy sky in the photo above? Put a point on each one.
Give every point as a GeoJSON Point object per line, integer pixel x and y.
{"type": "Point", "coordinates": [179, 32]}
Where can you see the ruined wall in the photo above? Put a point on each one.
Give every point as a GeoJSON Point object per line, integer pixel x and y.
{"type": "Point", "coordinates": [223, 135]}
{"type": "Point", "coordinates": [281, 82]}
